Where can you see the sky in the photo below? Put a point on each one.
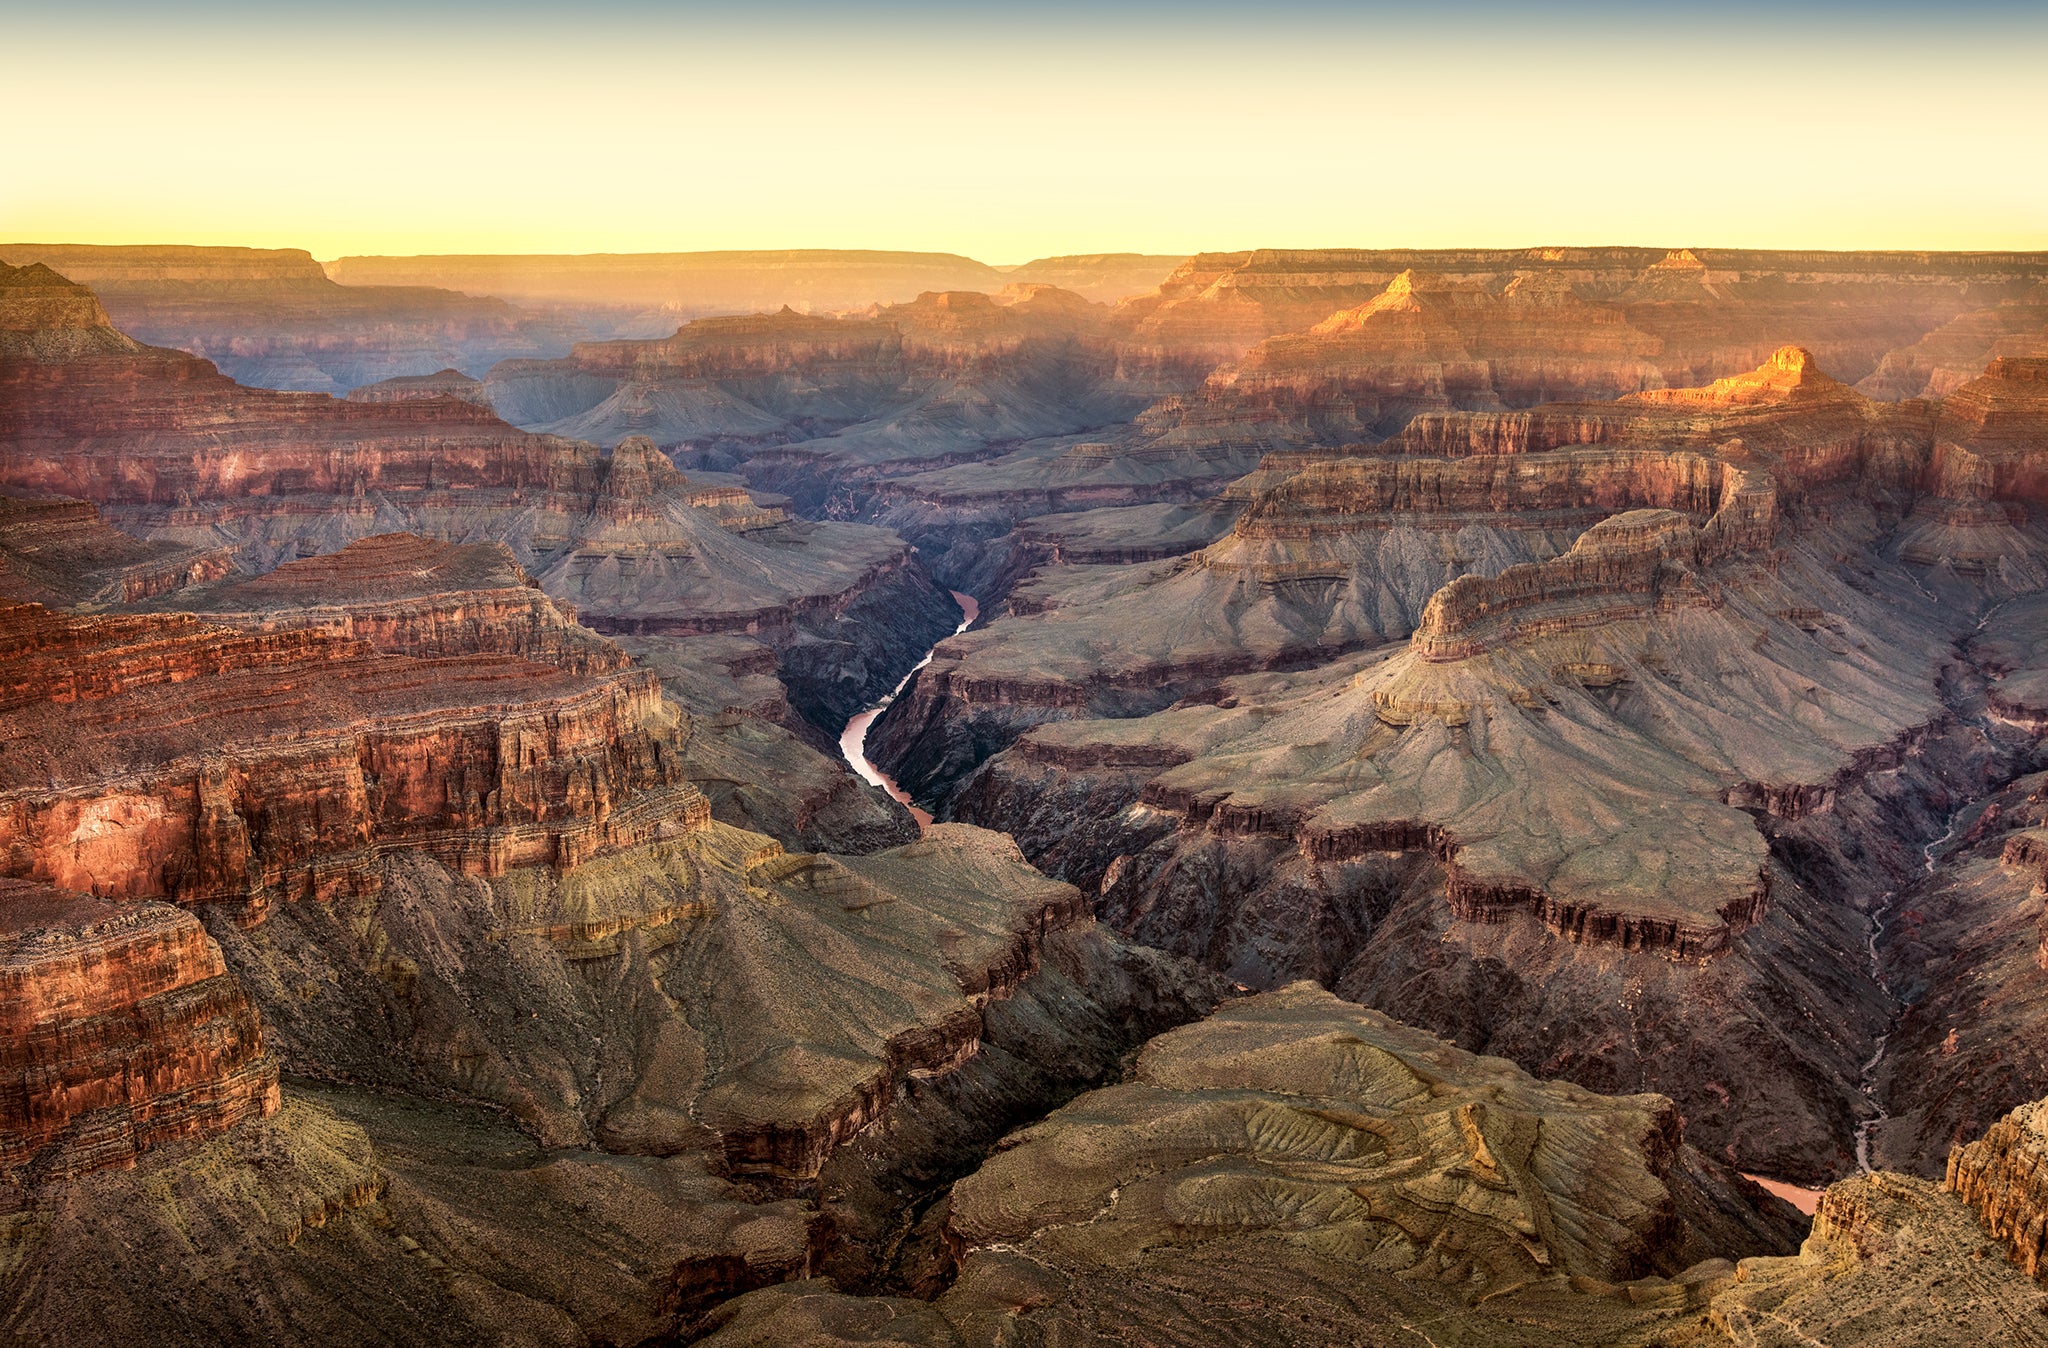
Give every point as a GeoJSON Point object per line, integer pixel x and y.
{"type": "Point", "coordinates": [1007, 132]}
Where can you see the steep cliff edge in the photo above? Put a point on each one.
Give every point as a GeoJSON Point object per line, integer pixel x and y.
{"type": "Point", "coordinates": [2003, 1176]}
{"type": "Point", "coordinates": [164, 756]}
{"type": "Point", "coordinates": [1712, 311]}
{"type": "Point", "coordinates": [123, 1030]}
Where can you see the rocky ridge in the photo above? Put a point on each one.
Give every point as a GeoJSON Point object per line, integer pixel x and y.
{"type": "Point", "coordinates": [171, 450]}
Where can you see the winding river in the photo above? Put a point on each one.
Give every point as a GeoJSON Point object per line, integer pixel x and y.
{"type": "Point", "coordinates": [853, 740]}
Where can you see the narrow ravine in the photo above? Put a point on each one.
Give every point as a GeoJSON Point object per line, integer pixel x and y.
{"type": "Point", "coordinates": [1879, 1115]}
{"type": "Point", "coordinates": [854, 739]}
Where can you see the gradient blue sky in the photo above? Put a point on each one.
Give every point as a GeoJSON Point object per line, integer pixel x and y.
{"type": "Point", "coordinates": [1009, 131]}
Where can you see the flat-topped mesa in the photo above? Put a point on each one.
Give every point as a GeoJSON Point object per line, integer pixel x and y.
{"type": "Point", "coordinates": [1991, 437]}
{"type": "Point", "coordinates": [2003, 1176]}
{"type": "Point", "coordinates": [729, 282]}
{"type": "Point", "coordinates": [159, 755]}
{"type": "Point", "coordinates": [58, 551]}
{"type": "Point", "coordinates": [120, 1029]}
{"type": "Point", "coordinates": [407, 595]}
{"type": "Point", "coordinates": [1626, 565]}
{"type": "Point", "coordinates": [43, 316]}
{"type": "Point", "coordinates": [407, 388]}
{"type": "Point", "coordinates": [1338, 495]}
{"type": "Point", "coordinates": [1422, 344]}
{"type": "Point", "coordinates": [118, 265]}
{"type": "Point", "coordinates": [1814, 433]}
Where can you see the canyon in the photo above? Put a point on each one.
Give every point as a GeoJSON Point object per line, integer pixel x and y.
{"type": "Point", "coordinates": [806, 797]}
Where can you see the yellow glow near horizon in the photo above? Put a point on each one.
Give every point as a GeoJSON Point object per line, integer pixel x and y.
{"type": "Point", "coordinates": [624, 138]}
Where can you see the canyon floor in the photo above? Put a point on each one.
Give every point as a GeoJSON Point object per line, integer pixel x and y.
{"type": "Point", "coordinates": [1294, 797]}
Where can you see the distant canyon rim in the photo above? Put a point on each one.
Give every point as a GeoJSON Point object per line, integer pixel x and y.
{"type": "Point", "coordinates": [1279, 796]}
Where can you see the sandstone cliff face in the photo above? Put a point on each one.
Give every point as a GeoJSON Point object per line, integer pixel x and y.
{"type": "Point", "coordinates": [406, 595]}
{"type": "Point", "coordinates": [1814, 433]}
{"type": "Point", "coordinates": [1891, 1260]}
{"type": "Point", "coordinates": [123, 1030]}
{"type": "Point", "coordinates": [163, 756]}
{"type": "Point", "coordinates": [1711, 311]}
{"type": "Point", "coordinates": [1991, 439]}
{"type": "Point", "coordinates": [2002, 1177]}
{"type": "Point", "coordinates": [511, 899]}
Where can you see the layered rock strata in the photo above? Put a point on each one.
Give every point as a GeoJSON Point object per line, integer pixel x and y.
{"type": "Point", "coordinates": [405, 595]}
{"type": "Point", "coordinates": [1891, 1260]}
{"type": "Point", "coordinates": [1380, 1175]}
{"type": "Point", "coordinates": [934, 380]}
{"type": "Point", "coordinates": [1591, 754]}
{"type": "Point", "coordinates": [820, 280]}
{"type": "Point", "coordinates": [1957, 351]}
{"type": "Point", "coordinates": [766, 1005]}
{"type": "Point", "coordinates": [165, 756]}
{"type": "Point", "coordinates": [123, 1030]}
{"type": "Point", "coordinates": [1422, 344]}
{"type": "Point", "coordinates": [1712, 311]}
{"type": "Point", "coordinates": [2003, 1176]}
{"type": "Point", "coordinates": [171, 450]}
{"type": "Point", "coordinates": [423, 387]}
{"type": "Point", "coordinates": [1330, 555]}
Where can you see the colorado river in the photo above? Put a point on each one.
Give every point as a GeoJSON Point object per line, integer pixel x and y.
{"type": "Point", "coordinates": [854, 739]}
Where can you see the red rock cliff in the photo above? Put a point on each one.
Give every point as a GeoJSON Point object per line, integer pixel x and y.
{"type": "Point", "coordinates": [160, 755]}
{"type": "Point", "coordinates": [120, 1029]}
